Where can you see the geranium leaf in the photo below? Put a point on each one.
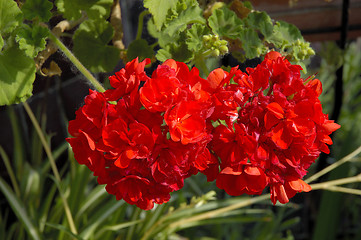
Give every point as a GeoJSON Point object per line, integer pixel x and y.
{"type": "Point", "coordinates": [17, 74]}
{"type": "Point", "coordinates": [37, 8]}
{"type": "Point", "coordinates": [91, 46]}
{"type": "Point", "coordinates": [159, 10]}
{"type": "Point", "coordinates": [32, 39]}
{"type": "Point", "coordinates": [284, 33]}
{"type": "Point", "coordinates": [225, 23]}
{"type": "Point", "coordinates": [100, 9]}
{"type": "Point", "coordinates": [10, 16]}
{"type": "Point", "coordinates": [163, 39]}
{"type": "Point", "coordinates": [139, 48]}
{"type": "Point", "coordinates": [191, 14]}
{"type": "Point", "coordinates": [260, 21]}
{"type": "Point", "coordinates": [95, 9]}
{"type": "Point", "coordinates": [195, 35]}
{"type": "Point", "coordinates": [163, 55]}
{"type": "Point", "coordinates": [178, 51]}
{"type": "Point", "coordinates": [251, 43]}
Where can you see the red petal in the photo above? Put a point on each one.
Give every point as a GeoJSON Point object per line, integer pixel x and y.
{"type": "Point", "coordinates": [276, 109]}
{"type": "Point", "coordinates": [273, 55]}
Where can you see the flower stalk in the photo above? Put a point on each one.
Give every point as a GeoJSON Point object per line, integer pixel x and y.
{"type": "Point", "coordinates": [77, 63]}
{"type": "Point", "coordinates": [52, 164]}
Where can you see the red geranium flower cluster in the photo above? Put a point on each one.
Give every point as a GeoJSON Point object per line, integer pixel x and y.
{"type": "Point", "coordinates": [247, 130]}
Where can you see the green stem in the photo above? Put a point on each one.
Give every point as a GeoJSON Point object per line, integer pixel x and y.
{"type": "Point", "coordinates": [220, 211]}
{"type": "Point", "coordinates": [207, 215]}
{"type": "Point", "coordinates": [52, 163]}
{"type": "Point", "coordinates": [77, 63]}
{"type": "Point", "coordinates": [344, 190]}
{"type": "Point", "coordinates": [135, 216]}
{"type": "Point", "coordinates": [326, 185]}
{"type": "Point", "coordinates": [140, 24]}
{"type": "Point", "coordinates": [334, 165]}
{"type": "Point", "coordinates": [10, 171]}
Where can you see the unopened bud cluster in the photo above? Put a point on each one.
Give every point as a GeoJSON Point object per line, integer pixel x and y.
{"type": "Point", "coordinates": [216, 46]}
{"type": "Point", "coordinates": [300, 50]}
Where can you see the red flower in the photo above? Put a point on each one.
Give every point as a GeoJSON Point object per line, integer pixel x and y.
{"type": "Point", "coordinates": [127, 80]}
{"type": "Point", "coordinates": [161, 91]}
{"type": "Point", "coordinates": [127, 142]}
{"type": "Point", "coordinates": [283, 192]}
{"type": "Point", "coordinates": [263, 128]}
{"type": "Point", "coordinates": [239, 179]}
{"type": "Point", "coordinates": [186, 122]}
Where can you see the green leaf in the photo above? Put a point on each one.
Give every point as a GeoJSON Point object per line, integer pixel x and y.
{"type": "Point", "coordinates": [37, 8]}
{"type": "Point", "coordinates": [178, 51]}
{"type": "Point", "coordinates": [195, 35]}
{"type": "Point", "coordinates": [72, 9]}
{"type": "Point", "coordinates": [225, 23]}
{"type": "Point", "coordinates": [19, 209]}
{"type": "Point", "coordinates": [10, 16]}
{"type": "Point", "coordinates": [163, 55]}
{"type": "Point", "coordinates": [139, 48]}
{"type": "Point", "coordinates": [163, 39]}
{"type": "Point", "coordinates": [260, 21]}
{"type": "Point", "coordinates": [284, 33]}
{"type": "Point", "coordinates": [100, 9]}
{"type": "Point", "coordinates": [17, 74]}
{"type": "Point", "coordinates": [98, 218]}
{"type": "Point", "coordinates": [251, 43]}
{"type": "Point", "coordinates": [64, 229]}
{"type": "Point", "coordinates": [32, 39]}
{"type": "Point", "coordinates": [91, 46]}
{"type": "Point", "coordinates": [190, 14]}
{"type": "Point", "coordinates": [159, 10]}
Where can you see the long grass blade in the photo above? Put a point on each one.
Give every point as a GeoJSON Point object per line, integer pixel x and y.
{"type": "Point", "coordinates": [19, 210]}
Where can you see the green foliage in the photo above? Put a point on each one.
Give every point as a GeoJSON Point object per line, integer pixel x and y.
{"type": "Point", "coordinates": [139, 48]}
{"type": "Point", "coordinates": [159, 10]}
{"type": "Point", "coordinates": [95, 9]}
{"type": "Point", "coordinates": [329, 224]}
{"type": "Point", "coordinates": [40, 9]}
{"type": "Point", "coordinates": [91, 35]}
{"type": "Point", "coordinates": [171, 31]}
{"type": "Point", "coordinates": [194, 37]}
{"type": "Point", "coordinates": [260, 21]}
{"type": "Point", "coordinates": [10, 17]}
{"type": "Point", "coordinates": [225, 23]}
{"type": "Point", "coordinates": [251, 44]}
{"type": "Point", "coordinates": [17, 74]}
{"type": "Point", "coordinates": [32, 39]}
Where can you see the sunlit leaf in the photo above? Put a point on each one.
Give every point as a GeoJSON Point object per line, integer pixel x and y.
{"type": "Point", "coordinates": [32, 39]}
{"type": "Point", "coordinates": [225, 23]}
{"type": "Point", "coordinates": [10, 16]}
{"type": "Point", "coordinates": [284, 33]}
{"type": "Point", "coordinates": [178, 51]}
{"type": "Point", "coordinates": [17, 74]}
{"type": "Point", "coordinates": [159, 10]}
{"type": "Point", "coordinates": [260, 21]}
{"type": "Point", "coordinates": [72, 9]}
{"type": "Point", "coordinates": [195, 35]}
{"type": "Point", "coordinates": [251, 43]}
{"type": "Point", "coordinates": [100, 9]}
{"type": "Point", "coordinates": [191, 14]}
